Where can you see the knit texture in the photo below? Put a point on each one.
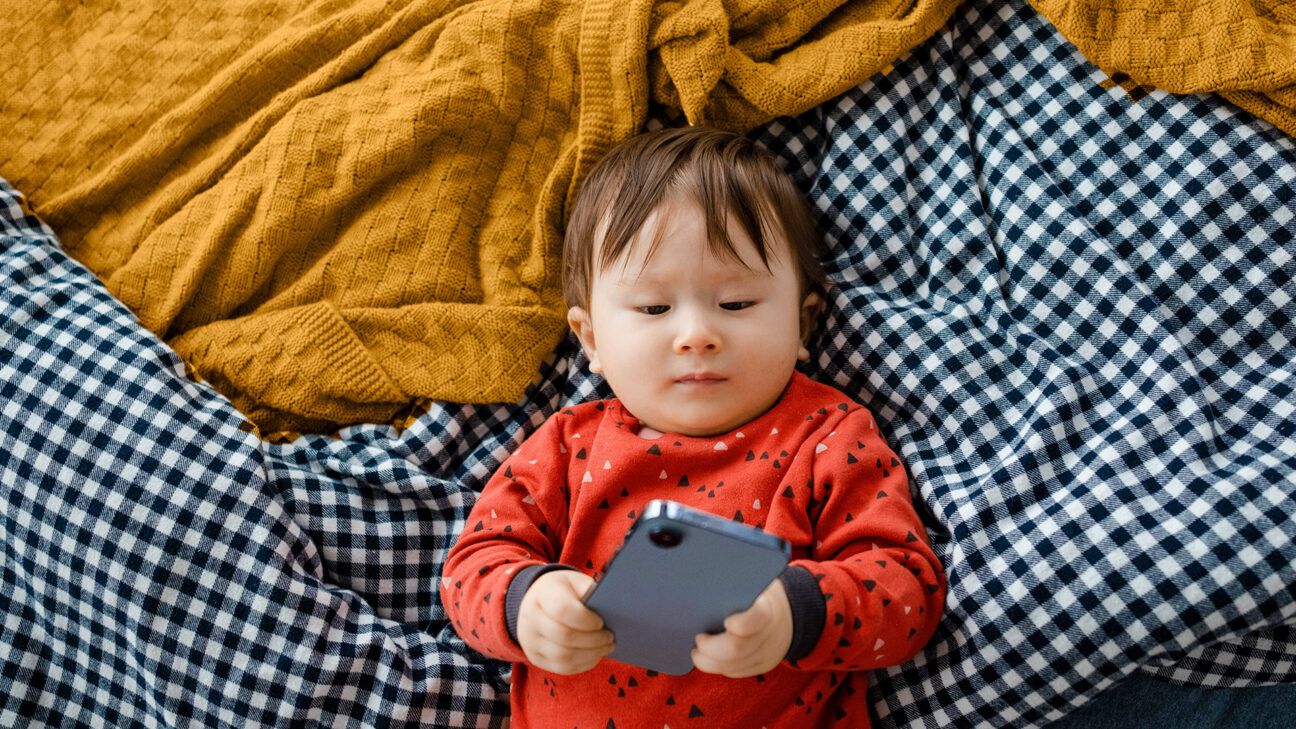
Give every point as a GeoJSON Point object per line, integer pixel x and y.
{"type": "Point", "coordinates": [1243, 49]}
{"type": "Point", "coordinates": [332, 208]}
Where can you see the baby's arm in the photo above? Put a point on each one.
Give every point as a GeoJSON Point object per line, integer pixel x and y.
{"type": "Point", "coordinates": [881, 584]}
{"type": "Point", "coordinates": [872, 592]}
{"type": "Point", "coordinates": [508, 551]}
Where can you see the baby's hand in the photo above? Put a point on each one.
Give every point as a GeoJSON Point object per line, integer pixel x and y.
{"type": "Point", "coordinates": [555, 629]}
{"type": "Point", "coordinates": [754, 641]}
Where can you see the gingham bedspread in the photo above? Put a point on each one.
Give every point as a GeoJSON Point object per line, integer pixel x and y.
{"type": "Point", "coordinates": [1071, 305]}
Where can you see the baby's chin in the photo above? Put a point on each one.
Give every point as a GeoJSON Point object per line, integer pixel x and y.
{"type": "Point", "coordinates": [701, 427]}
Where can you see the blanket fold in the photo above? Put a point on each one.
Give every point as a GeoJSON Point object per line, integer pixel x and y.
{"type": "Point", "coordinates": [404, 166]}
{"type": "Point", "coordinates": [332, 208]}
{"type": "Point", "coordinates": [1246, 51]}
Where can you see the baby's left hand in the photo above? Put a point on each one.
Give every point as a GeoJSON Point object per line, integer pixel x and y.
{"type": "Point", "coordinates": [754, 641]}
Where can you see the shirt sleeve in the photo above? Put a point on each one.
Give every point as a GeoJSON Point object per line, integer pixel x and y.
{"type": "Point", "coordinates": [518, 522]}
{"type": "Point", "coordinates": [882, 584]}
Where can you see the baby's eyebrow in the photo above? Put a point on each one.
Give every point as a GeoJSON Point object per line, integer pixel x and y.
{"type": "Point", "coordinates": [737, 275]}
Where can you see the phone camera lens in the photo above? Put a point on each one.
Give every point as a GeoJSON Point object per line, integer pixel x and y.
{"type": "Point", "coordinates": [666, 537]}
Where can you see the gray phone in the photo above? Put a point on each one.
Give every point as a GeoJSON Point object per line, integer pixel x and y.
{"type": "Point", "coordinates": [681, 572]}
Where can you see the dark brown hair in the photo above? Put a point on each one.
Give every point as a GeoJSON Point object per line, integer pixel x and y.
{"type": "Point", "coordinates": [728, 176]}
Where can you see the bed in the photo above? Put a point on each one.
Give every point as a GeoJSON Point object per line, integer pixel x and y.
{"type": "Point", "coordinates": [1068, 299]}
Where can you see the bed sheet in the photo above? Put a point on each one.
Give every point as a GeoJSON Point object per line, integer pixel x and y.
{"type": "Point", "coordinates": [1068, 301]}
{"type": "Point", "coordinates": [1071, 302]}
{"type": "Point", "coordinates": [157, 564]}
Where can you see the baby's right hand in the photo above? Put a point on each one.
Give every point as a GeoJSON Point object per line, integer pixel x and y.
{"type": "Point", "coordinates": [555, 629]}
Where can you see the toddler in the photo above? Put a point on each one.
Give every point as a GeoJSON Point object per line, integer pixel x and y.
{"type": "Point", "coordinates": [691, 271]}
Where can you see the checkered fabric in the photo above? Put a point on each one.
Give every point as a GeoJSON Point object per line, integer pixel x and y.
{"type": "Point", "coordinates": [1070, 303]}
{"type": "Point", "coordinates": [1257, 659]}
{"type": "Point", "coordinates": [156, 570]}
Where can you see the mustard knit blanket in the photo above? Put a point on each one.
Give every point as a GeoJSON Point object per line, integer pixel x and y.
{"type": "Point", "coordinates": [331, 208]}
{"type": "Point", "coordinates": [1243, 49]}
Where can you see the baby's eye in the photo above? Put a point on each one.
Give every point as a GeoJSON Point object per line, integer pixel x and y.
{"type": "Point", "coordinates": [736, 305]}
{"type": "Point", "coordinates": [653, 310]}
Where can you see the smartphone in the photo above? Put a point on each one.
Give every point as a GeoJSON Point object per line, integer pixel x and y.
{"type": "Point", "coordinates": [680, 572]}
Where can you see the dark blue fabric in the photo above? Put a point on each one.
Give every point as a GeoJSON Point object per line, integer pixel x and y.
{"type": "Point", "coordinates": [1144, 702]}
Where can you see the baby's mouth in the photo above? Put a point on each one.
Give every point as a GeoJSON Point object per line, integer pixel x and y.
{"type": "Point", "coordinates": [700, 378]}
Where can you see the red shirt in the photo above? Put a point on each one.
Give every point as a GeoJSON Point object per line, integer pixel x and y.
{"type": "Point", "coordinates": [813, 470]}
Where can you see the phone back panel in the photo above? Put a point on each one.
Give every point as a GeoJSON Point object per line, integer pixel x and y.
{"type": "Point", "coordinates": [655, 599]}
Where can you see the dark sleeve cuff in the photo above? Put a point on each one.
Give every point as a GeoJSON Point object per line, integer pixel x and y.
{"type": "Point", "coordinates": [522, 582]}
{"type": "Point", "coordinates": [808, 609]}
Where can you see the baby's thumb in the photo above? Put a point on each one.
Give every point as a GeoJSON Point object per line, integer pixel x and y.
{"type": "Point", "coordinates": [579, 582]}
{"type": "Point", "coordinates": [576, 614]}
{"type": "Point", "coordinates": [750, 621]}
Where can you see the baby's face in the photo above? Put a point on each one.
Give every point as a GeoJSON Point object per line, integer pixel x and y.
{"type": "Point", "coordinates": [691, 342]}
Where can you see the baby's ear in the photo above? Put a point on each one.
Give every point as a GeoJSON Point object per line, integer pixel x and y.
{"type": "Point", "coordinates": [581, 323]}
{"type": "Point", "coordinates": [811, 308]}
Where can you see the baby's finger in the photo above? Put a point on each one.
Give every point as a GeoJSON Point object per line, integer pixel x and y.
{"type": "Point", "coordinates": [566, 660]}
{"type": "Point", "coordinates": [561, 635]}
{"type": "Point", "coordinates": [730, 669]}
{"type": "Point", "coordinates": [565, 606]}
{"type": "Point", "coordinates": [704, 663]}
{"type": "Point", "coordinates": [723, 649]}
{"type": "Point", "coordinates": [751, 621]}
{"type": "Point", "coordinates": [571, 613]}
{"type": "Point", "coordinates": [577, 618]}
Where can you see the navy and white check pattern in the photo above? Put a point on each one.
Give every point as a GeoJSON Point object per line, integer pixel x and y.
{"type": "Point", "coordinates": [1261, 658]}
{"type": "Point", "coordinates": [158, 569]}
{"type": "Point", "coordinates": [1071, 306]}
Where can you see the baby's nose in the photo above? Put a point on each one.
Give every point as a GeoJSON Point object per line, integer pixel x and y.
{"type": "Point", "coordinates": [697, 335]}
